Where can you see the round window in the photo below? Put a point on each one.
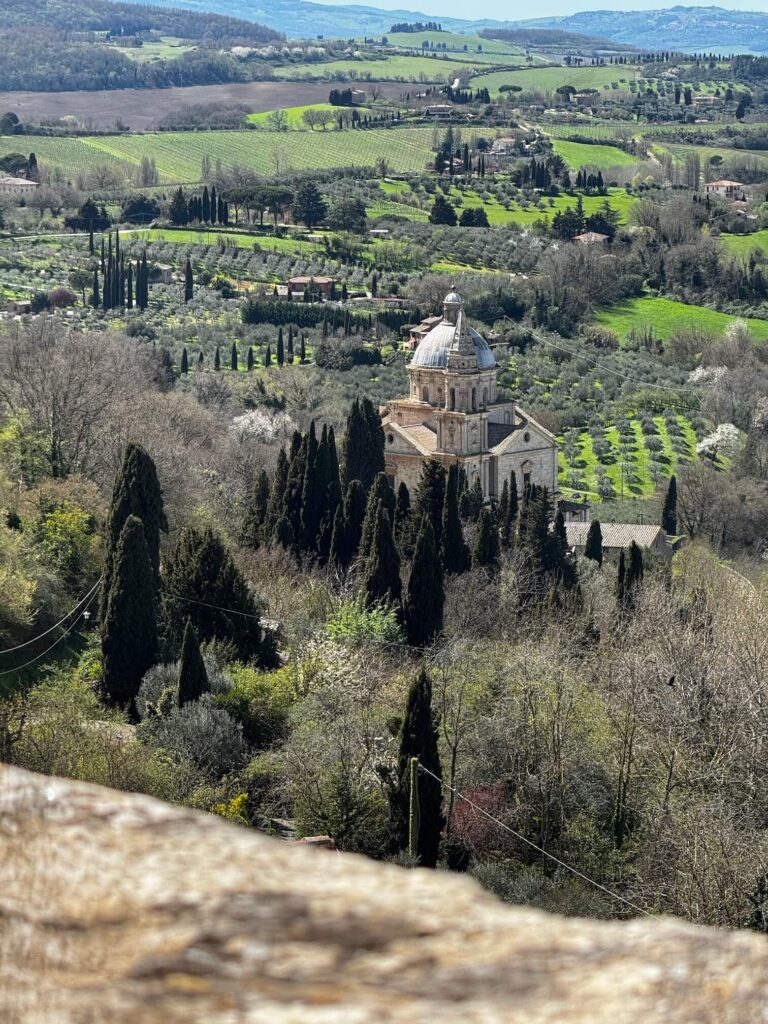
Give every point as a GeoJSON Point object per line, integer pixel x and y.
{"type": "Point", "coordinates": [526, 437]}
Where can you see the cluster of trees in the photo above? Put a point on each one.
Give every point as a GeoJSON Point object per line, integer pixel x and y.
{"type": "Point", "coordinates": [200, 591]}
{"type": "Point", "coordinates": [570, 222]}
{"type": "Point", "coordinates": [208, 208]}
{"type": "Point", "coordinates": [119, 287]}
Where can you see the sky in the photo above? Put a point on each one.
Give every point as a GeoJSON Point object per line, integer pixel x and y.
{"type": "Point", "coordinates": [503, 10]}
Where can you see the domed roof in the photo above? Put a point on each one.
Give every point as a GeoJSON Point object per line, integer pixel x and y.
{"type": "Point", "coordinates": [452, 332]}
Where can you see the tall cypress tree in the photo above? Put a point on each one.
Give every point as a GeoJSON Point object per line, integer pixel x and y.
{"type": "Point", "coordinates": [402, 513]}
{"type": "Point", "coordinates": [302, 351]}
{"type": "Point", "coordinates": [203, 584]}
{"type": "Point", "coordinates": [289, 347]}
{"type": "Point", "coordinates": [268, 357]}
{"type": "Point", "coordinates": [363, 444]}
{"type": "Point", "coordinates": [129, 630]}
{"type": "Point", "coordinates": [621, 584]}
{"type": "Point", "coordinates": [486, 552]}
{"type": "Point", "coordinates": [205, 211]}
{"type": "Point", "coordinates": [136, 493]}
{"type": "Point", "coordinates": [425, 594]}
{"type": "Point", "coordinates": [354, 516]}
{"type": "Point", "coordinates": [96, 291]}
{"type": "Point", "coordinates": [455, 552]}
{"type": "Point", "coordinates": [280, 348]}
{"type": "Point", "coordinates": [188, 282]}
{"type": "Point", "coordinates": [430, 497]}
{"type": "Point", "coordinates": [249, 363]}
{"type": "Point", "coordinates": [382, 576]}
{"type": "Point", "coordinates": [193, 677]}
{"type": "Point", "coordinates": [294, 490]}
{"type": "Point", "coordinates": [669, 512]}
{"type": "Point", "coordinates": [419, 738]}
{"type": "Point", "coordinates": [594, 545]}
{"type": "Point", "coordinates": [277, 495]}
{"type": "Point", "coordinates": [256, 512]}
{"type": "Point", "coordinates": [380, 494]}
{"type": "Point", "coordinates": [233, 357]}
{"type": "Point", "coordinates": [184, 361]}
{"type": "Point", "coordinates": [217, 359]}
{"type": "Point", "coordinates": [311, 496]}
{"type": "Point", "coordinates": [129, 287]}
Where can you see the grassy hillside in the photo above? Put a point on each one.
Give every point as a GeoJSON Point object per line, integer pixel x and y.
{"type": "Point", "coordinates": [665, 316]}
{"type": "Point", "coordinates": [547, 79]}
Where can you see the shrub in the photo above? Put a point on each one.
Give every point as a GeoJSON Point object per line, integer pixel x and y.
{"type": "Point", "coordinates": [200, 733]}
{"type": "Point", "coordinates": [260, 703]}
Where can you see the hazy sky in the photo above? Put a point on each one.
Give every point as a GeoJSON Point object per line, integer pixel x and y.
{"type": "Point", "coordinates": [503, 10]}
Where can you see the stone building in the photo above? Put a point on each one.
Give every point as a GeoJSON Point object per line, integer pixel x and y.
{"type": "Point", "coordinates": [453, 414]}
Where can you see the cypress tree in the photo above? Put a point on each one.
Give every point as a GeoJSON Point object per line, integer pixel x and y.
{"type": "Point", "coordinates": [249, 363]}
{"type": "Point", "coordinates": [276, 495]}
{"type": "Point", "coordinates": [280, 348]}
{"type": "Point", "coordinates": [486, 551]}
{"type": "Point", "coordinates": [188, 282]}
{"type": "Point", "coordinates": [205, 211]}
{"type": "Point", "coordinates": [363, 444]}
{"type": "Point", "coordinates": [256, 512]}
{"type": "Point", "coordinates": [430, 498]}
{"type": "Point", "coordinates": [294, 491]}
{"type": "Point", "coordinates": [419, 738]}
{"type": "Point", "coordinates": [214, 207]}
{"type": "Point", "coordinates": [136, 493]}
{"type": "Point", "coordinates": [425, 594]}
{"type": "Point", "coordinates": [268, 357]}
{"type": "Point", "coordinates": [129, 287]}
{"type": "Point", "coordinates": [402, 513]}
{"type": "Point", "coordinates": [184, 362]}
{"type": "Point", "coordinates": [621, 585]}
{"type": "Point", "coordinates": [455, 552]}
{"type": "Point", "coordinates": [380, 494]}
{"type": "Point", "coordinates": [382, 576]}
{"type": "Point", "coordinates": [289, 347]}
{"type": "Point", "coordinates": [669, 512]}
{"type": "Point", "coordinates": [129, 630]}
{"type": "Point", "coordinates": [233, 357]}
{"type": "Point", "coordinates": [217, 359]}
{"type": "Point", "coordinates": [302, 351]}
{"type": "Point", "coordinates": [91, 248]}
{"type": "Point", "coordinates": [200, 362]}
{"type": "Point", "coordinates": [635, 568]}
{"type": "Point", "coordinates": [594, 546]}
{"type": "Point", "coordinates": [354, 515]}
{"type": "Point", "coordinates": [96, 292]}
{"type": "Point", "coordinates": [193, 677]}
{"type": "Point", "coordinates": [311, 495]}
{"type": "Point", "coordinates": [203, 584]}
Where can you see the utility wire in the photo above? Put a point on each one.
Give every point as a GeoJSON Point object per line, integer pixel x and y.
{"type": "Point", "coordinates": [539, 849]}
{"type": "Point", "coordinates": [67, 631]}
{"type": "Point", "coordinates": [28, 643]}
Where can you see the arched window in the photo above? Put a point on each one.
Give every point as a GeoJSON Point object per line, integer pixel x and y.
{"type": "Point", "coordinates": [526, 470]}
{"type": "Point", "coordinates": [452, 400]}
{"type": "Point", "coordinates": [425, 393]}
{"type": "Point", "coordinates": [474, 399]}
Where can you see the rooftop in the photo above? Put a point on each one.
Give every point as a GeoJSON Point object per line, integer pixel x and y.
{"type": "Point", "coordinates": [616, 535]}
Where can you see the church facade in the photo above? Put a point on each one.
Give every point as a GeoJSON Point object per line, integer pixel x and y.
{"type": "Point", "coordinates": [453, 414]}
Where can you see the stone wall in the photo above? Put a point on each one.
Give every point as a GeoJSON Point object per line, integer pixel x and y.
{"type": "Point", "coordinates": [117, 908]}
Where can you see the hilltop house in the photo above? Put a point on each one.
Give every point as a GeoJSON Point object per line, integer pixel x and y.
{"type": "Point", "coordinates": [16, 186]}
{"type": "Point", "coordinates": [323, 285]}
{"type": "Point", "coordinates": [452, 414]}
{"type": "Point", "coordinates": [727, 189]}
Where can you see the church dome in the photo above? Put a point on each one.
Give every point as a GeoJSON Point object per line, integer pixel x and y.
{"type": "Point", "coordinates": [432, 351]}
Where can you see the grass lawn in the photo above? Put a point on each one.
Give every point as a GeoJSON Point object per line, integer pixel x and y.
{"type": "Point", "coordinates": [580, 154]}
{"type": "Point", "coordinates": [498, 216]}
{"type": "Point", "coordinates": [186, 236]}
{"type": "Point", "coordinates": [667, 315]}
{"type": "Point", "coordinates": [388, 68]}
{"type": "Point", "coordinates": [165, 48]}
{"type": "Point", "coordinates": [547, 79]}
{"type": "Point", "coordinates": [295, 116]}
{"type": "Point", "coordinates": [454, 40]}
{"type": "Point", "coordinates": [742, 245]}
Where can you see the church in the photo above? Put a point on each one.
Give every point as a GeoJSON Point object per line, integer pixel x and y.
{"type": "Point", "coordinates": [452, 414]}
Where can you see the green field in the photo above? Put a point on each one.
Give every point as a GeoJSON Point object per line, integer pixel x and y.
{"type": "Point", "coordinates": [580, 154]}
{"type": "Point", "coordinates": [705, 154]}
{"type": "Point", "coordinates": [392, 68]}
{"type": "Point", "coordinates": [666, 316]}
{"type": "Point", "coordinates": [742, 245]}
{"type": "Point", "coordinates": [179, 154]}
{"type": "Point", "coordinates": [165, 48]}
{"type": "Point", "coordinates": [454, 40]}
{"type": "Point", "coordinates": [187, 236]}
{"type": "Point", "coordinates": [547, 79]}
{"type": "Point", "coordinates": [295, 116]}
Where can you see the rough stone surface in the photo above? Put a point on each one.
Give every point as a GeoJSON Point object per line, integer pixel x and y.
{"type": "Point", "coordinates": [114, 907]}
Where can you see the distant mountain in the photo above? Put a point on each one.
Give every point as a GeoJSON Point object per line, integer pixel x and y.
{"type": "Point", "coordinates": [674, 28]}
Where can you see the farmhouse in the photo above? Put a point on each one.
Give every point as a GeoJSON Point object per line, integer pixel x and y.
{"type": "Point", "coordinates": [16, 186]}
{"type": "Point", "coordinates": [452, 414]}
{"type": "Point", "coordinates": [726, 188]}
{"type": "Point", "coordinates": [591, 238]}
{"type": "Point", "coordinates": [619, 536]}
{"type": "Point", "coordinates": [324, 285]}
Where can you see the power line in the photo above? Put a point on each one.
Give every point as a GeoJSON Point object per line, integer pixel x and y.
{"type": "Point", "coordinates": [539, 849]}
{"type": "Point", "coordinates": [28, 643]}
{"type": "Point", "coordinates": [67, 631]}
